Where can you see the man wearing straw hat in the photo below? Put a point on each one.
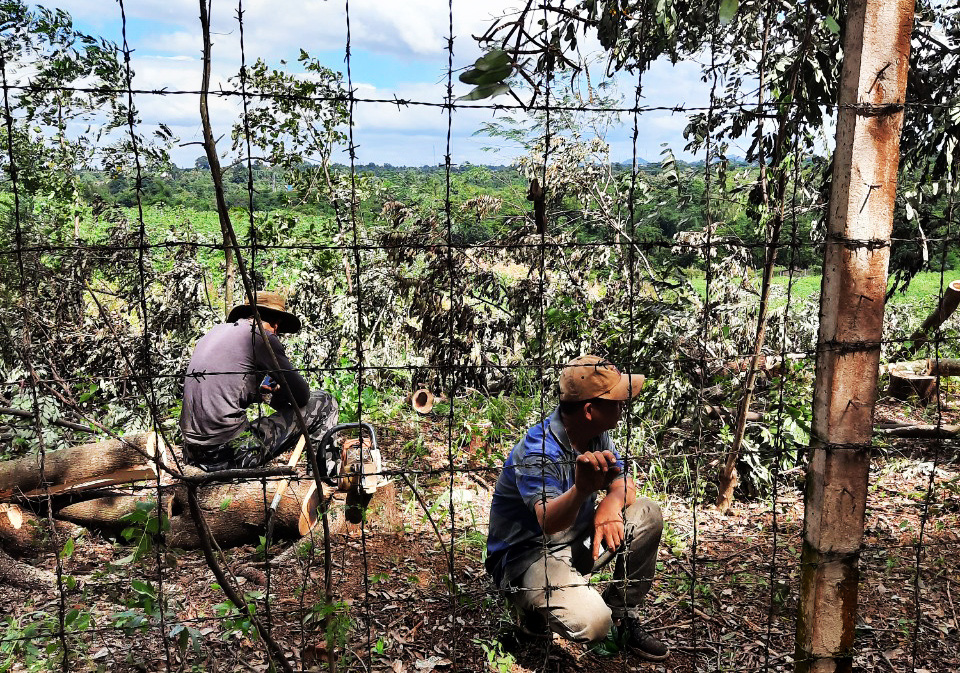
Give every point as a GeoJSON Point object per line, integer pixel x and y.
{"type": "Point", "coordinates": [548, 533]}
{"type": "Point", "coordinates": [232, 368]}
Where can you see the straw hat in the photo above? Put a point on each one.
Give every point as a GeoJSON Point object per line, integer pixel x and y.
{"type": "Point", "coordinates": [271, 306]}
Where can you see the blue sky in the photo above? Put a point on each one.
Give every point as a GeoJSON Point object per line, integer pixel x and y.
{"type": "Point", "coordinates": [397, 50]}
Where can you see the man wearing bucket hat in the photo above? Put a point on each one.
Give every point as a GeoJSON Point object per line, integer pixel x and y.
{"type": "Point", "coordinates": [547, 532]}
{"type": "Point", "coordinates": [232, 368]}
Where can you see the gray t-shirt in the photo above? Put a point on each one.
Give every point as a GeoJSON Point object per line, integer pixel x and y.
{"type": "Point", "coordinates": [223, 379]}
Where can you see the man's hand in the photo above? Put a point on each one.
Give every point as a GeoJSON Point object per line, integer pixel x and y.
{"type": "Point", "coordinates": [608, 525]}
{"type": "Point", "coordinates": [269, 385]}
{"type": "Point", "coordinates": [595, 470]}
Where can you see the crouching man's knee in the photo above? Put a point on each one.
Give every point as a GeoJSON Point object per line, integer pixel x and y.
{"type": "Point", "coordinates": [591, 625]}
{"type": "Point", "coordinates": [645, 519]}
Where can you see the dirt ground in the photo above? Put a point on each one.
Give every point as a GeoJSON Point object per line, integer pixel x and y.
{"type": "Point", "coordinates": [725, 597]}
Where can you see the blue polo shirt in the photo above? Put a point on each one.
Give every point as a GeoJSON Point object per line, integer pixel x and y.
{"type": "Point", "coordinates": [540, 468]}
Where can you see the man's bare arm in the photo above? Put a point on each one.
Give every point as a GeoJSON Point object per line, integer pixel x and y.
{"type": "Point", "coordinates": [608, 525]}
{"type": "Point", "coordinates": [594, 470]}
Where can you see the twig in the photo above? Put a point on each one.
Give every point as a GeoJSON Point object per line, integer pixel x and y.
{"type": "Point", "coordinates": [953, 611]}
{"type": "Point", "coordinates": [426, 510]}
{"type": "Point", "coordinates": [23, 413]}
{"type": "Point", "coordinates": [679, 625]}
{"type": "Point", "coordinates": [694, 649]}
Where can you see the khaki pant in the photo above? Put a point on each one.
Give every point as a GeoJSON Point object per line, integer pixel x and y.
{"type": "Point", "coordinates": [557, 587]}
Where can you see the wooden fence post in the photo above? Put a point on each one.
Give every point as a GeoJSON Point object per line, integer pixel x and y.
{"type": "Point", "coordinates": [857, 251]}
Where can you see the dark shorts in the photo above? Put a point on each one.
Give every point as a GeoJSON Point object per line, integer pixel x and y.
{"type": "Point", "coordinates": [268, 437]}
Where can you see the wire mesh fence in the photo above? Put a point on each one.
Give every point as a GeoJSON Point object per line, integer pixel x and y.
{"type": "Point", "coordinates": [441, 307]}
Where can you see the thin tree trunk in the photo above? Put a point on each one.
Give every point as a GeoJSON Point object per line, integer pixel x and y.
{"type": "Point", "coordinates": [210, 148]}
{"type": "Point", "coordinates": [774, 204]}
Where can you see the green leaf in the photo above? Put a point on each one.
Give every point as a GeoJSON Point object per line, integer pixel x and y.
{"type": "Point", "coordinates": [480, 77]}
{"type": "Point", "coordinates": [494, 60]}
{"type": "Point", "coordinates": [728, 8]}
{"type": "Point", "coordinates": [832, 25]}
{"type": "Point", "coordinates": [486, 91]}
{"type": "Point", "coordinates": [225, 503]}
{"type": "Point", "coordinates": [143, 589]}
{"type": "Point", "coordinates": [67, 550]}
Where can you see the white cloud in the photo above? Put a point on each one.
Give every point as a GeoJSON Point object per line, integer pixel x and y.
{"type": "Point", "coordinates": [408, 41]}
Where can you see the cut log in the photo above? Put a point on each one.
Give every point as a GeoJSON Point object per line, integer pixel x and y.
{"type": "Point", "coordinates": [943, 367]}
{"type": "Point", "coordinates": [906, 431]}
{"type": "Point", "coordinates": [15, 573]}
{"type": "Point", "coordinates": [105, 513]}
{"type": "Point", "coordinates": [22, 532]}
{"type": "Point", "coordinates": [904, 385]}
{"type": "Point", "coordinates": [236, 513]}
{"type": "Point", "coordinates": [948, 304]}
{"type": "Point", "coordinates": [422, 401]}
{"type": "Point", "coordinates": [83, 467]}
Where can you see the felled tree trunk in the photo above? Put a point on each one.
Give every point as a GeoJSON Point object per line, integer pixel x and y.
{"type": "Point", "coordinates": [83, 467]}
{"type": "Point", "coordinates": [945, 308]}
{"type": "Point", "coordinates": [236, 513]}
{"type": "Point", "coordinates": [19, 574]}
{"type": "Point", "coordinates": [105, 513]}
{"type": "Point", "coordinates": [943, 367]}
{"type": "Point", "coordinates": [906, 431]}
{"type": "Point", "coordinates": [22, 532]}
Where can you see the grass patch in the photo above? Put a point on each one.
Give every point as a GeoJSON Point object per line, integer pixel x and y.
{"type": "Point", "coordinates": [923, 289]}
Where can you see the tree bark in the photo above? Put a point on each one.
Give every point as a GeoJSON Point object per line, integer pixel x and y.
{"type": "Point", "coordinates": [15, 573]}
{"type": "Point", "coordinates": [210, 148]}
{"type": "Point", "coordinates": [105, 513]}
{"type": "Point", "coordinates": [236, 513]}
{"type": "Point", "coordinates": [83, 467]}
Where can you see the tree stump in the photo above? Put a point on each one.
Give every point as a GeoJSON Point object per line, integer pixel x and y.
{"type": "Point", "coordinates": [905, 385]}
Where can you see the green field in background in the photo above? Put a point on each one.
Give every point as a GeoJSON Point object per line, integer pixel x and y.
{"type": "Point", "coordinates": [924, 288]}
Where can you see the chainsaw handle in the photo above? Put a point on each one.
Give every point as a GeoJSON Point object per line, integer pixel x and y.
{"type": "Point", "coordinates": [328, 435]}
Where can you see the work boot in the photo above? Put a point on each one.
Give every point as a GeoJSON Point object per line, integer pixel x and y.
{"type": "Point", "coordinates": [641, 641]}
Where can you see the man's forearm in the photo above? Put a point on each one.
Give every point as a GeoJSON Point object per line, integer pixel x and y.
{"type": "Point", "coordinates": [622, 491]}
{"type": "Point", "coordinates": [560, 513]}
